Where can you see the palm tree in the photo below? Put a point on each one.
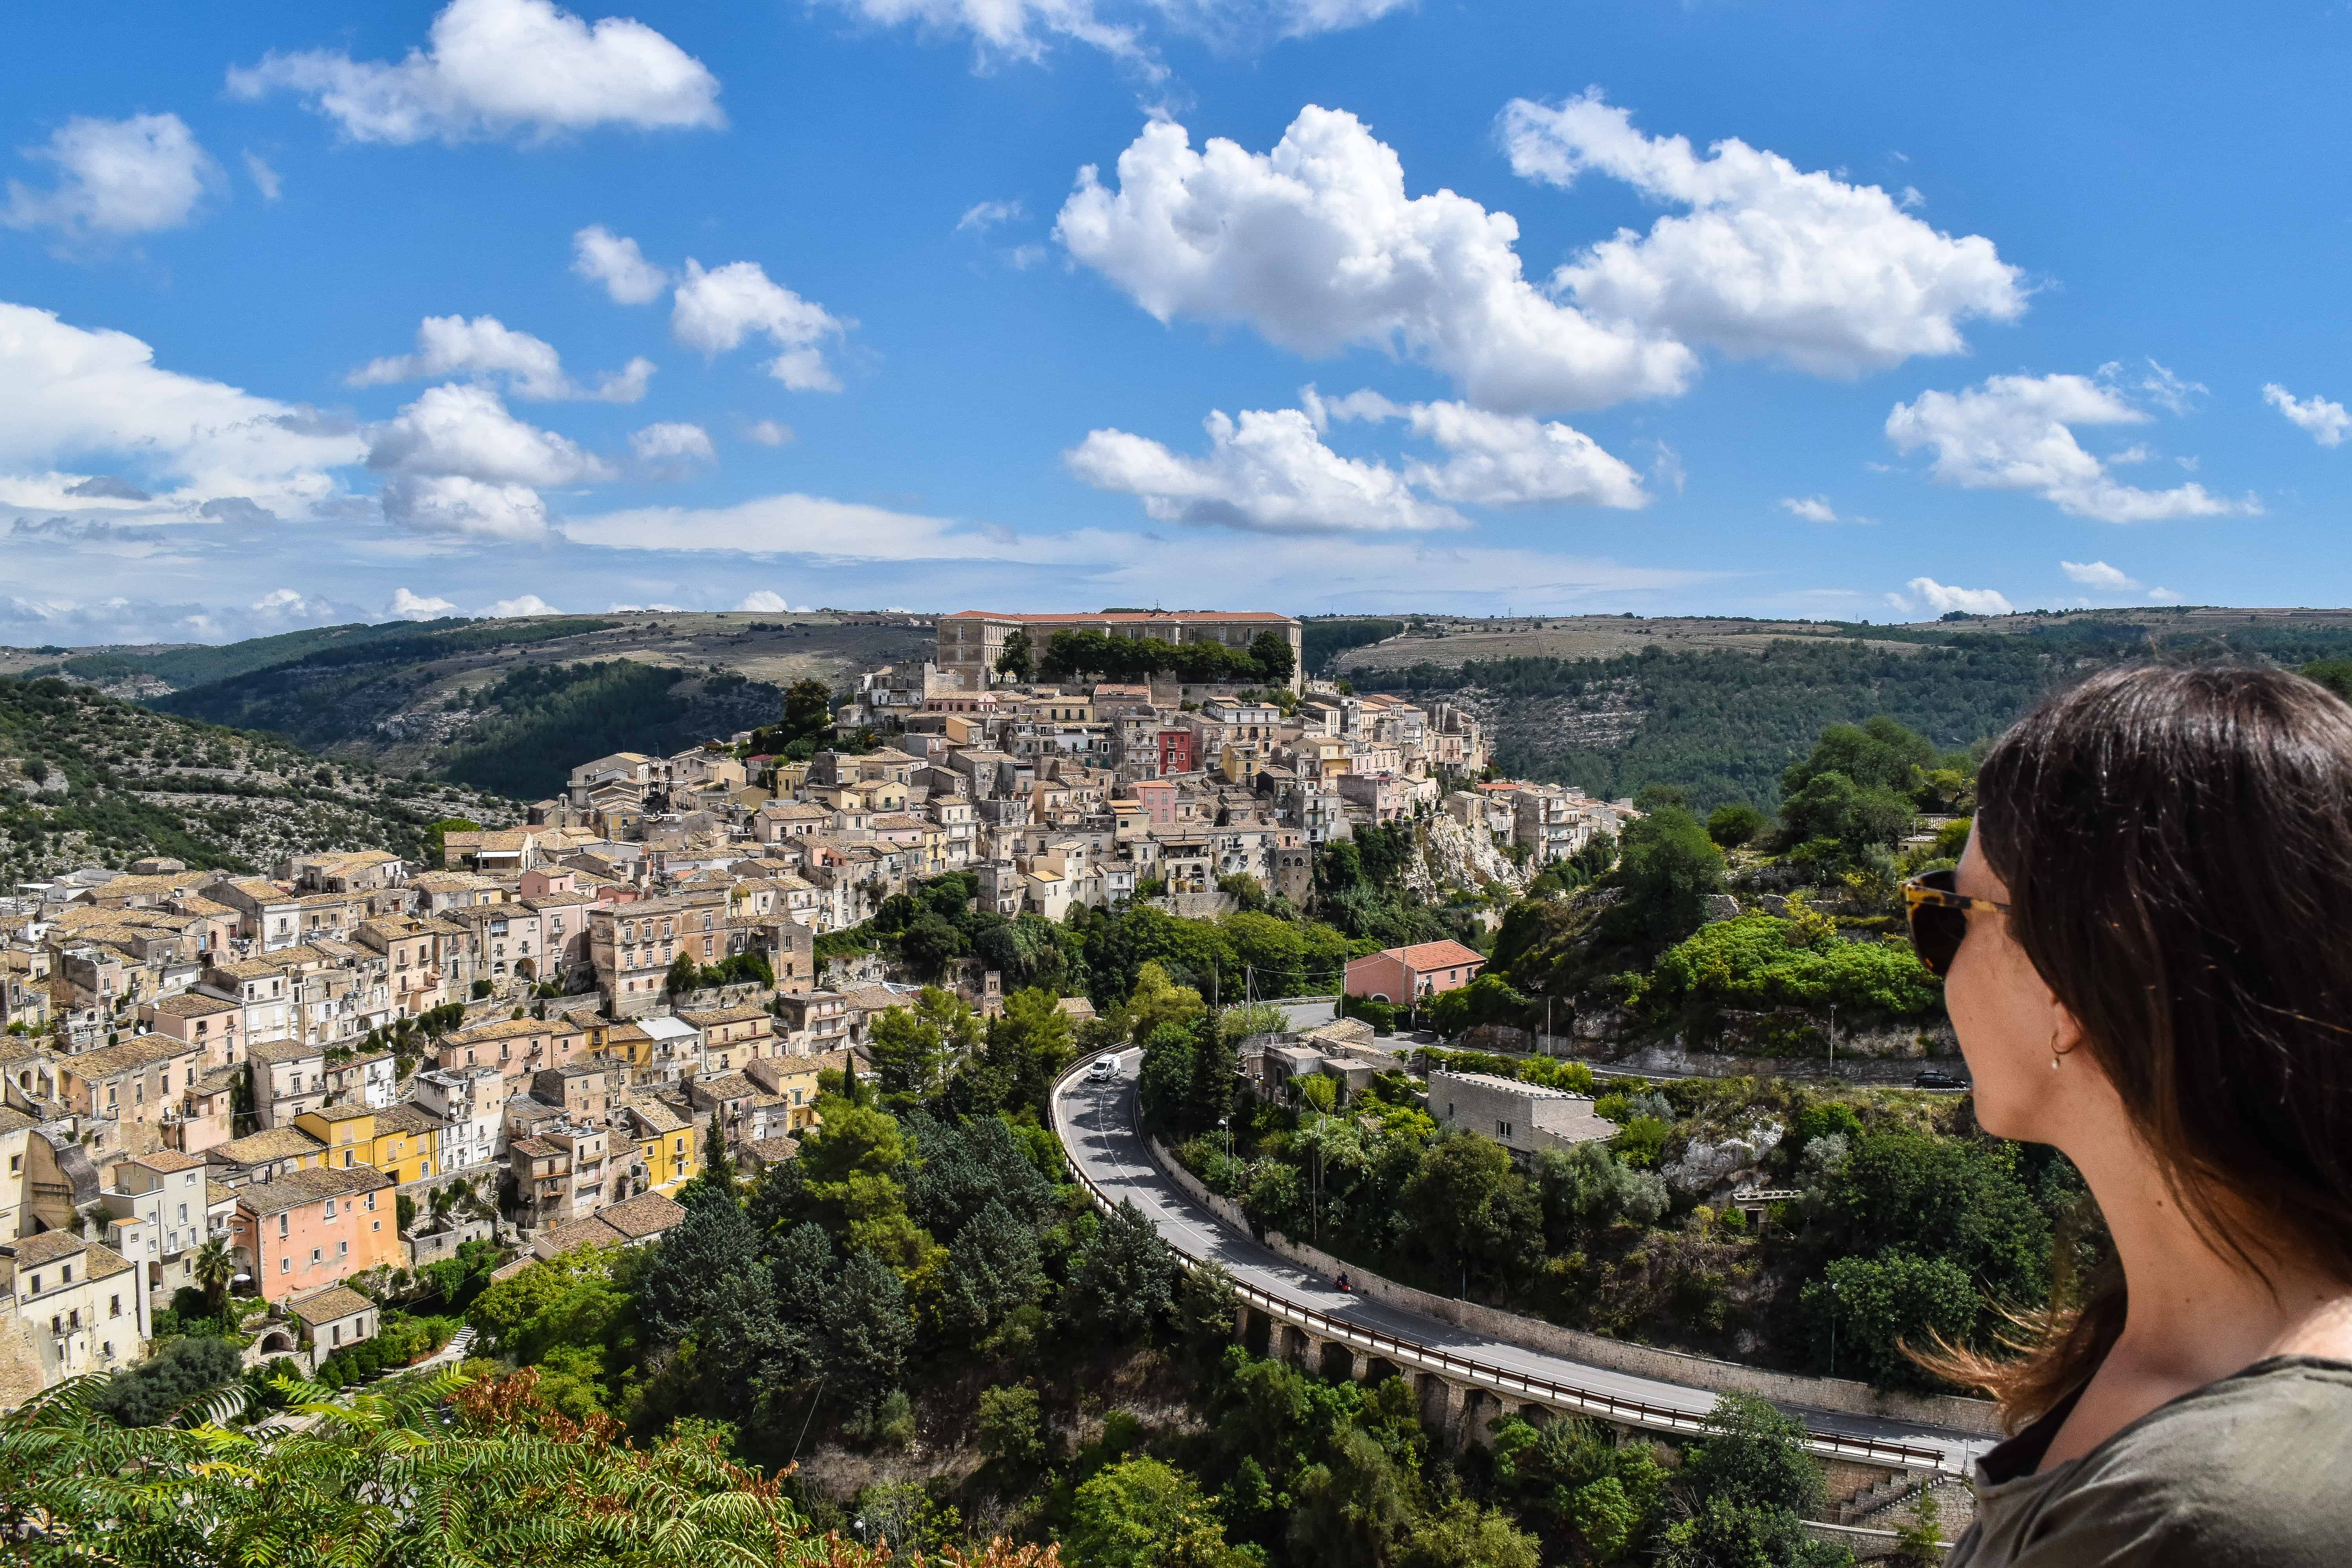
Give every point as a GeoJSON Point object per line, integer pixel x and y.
{"type": "Point", "coordinates": [215, 1266]}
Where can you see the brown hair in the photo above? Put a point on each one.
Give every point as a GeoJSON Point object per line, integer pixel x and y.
{"type": "Point", "coordinates": [2177, 848]}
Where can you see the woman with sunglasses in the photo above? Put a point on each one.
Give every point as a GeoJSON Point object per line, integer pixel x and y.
{"type": "Point", "coordinates": [2146, 952]}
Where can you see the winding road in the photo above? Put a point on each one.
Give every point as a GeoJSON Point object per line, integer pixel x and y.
{"type": "Point", "coordinates": [1097, 1122]}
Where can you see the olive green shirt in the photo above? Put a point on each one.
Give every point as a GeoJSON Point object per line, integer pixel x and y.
{"type": "Point", "coordinates": [2253, 1469]}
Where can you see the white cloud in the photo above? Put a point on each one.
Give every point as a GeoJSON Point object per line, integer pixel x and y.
{"type": "Point", "coordinates": [1026, 29]}
{"type": "Point", "coordinates": [672, 451]}
{"type": "Point", "coordinates": [2014, 433]}
{"type": "Point", "coordinates": [2163, 596]}
{"type": "Point", "coordinates": [460, 463]}
{"type": "Point", "coordinates": [486, 347]}
{"type": "Point", "coordinates": [715, 310]}
{"type": "Point", "coordinates": [500, 68]}
{"type": "Point", "coordinates": [985, 216]}
{"type": "Point", "coordinates": [1317, 246]}
{"type": "Point", "coordinates": [527, 605]}
{"type": "Point", "coordinates": [1813, 508]}
{"type": "Point", "coordinates": [291, 606]}
{"type": "Point", "coordinates": [768, 602]}
{"type": "Point", "coordinates": [2160, 386]}
{"type": "Point", "coordinates": [453, 503]}
{"type": "Point", "coordinates": [602, 257]}
{"type": "Point", "coordinates": [266, 180]}
{"type": "Point", "coordinates": [2096, 574]}
{"type": "Point", "coordinates": [769, 433]}
{"type": "Point", "coordinates": [407, 606]}
{"type": "Point", "coordinates": [116, 177]}
{"type": "Point", "coordinates": [1835, 279]}
{"type": "Point", "coordinates": [1497, 459]}
{"type": "Point", "coordinates": [467, 430]}
{"type": "Point", "coordinates": [1270, 472]}
{"type": "Point", "coordinates": [1944, 600]}
{"type": "Point", "coordinates": [68, 393]}
{"type": "Point", "coordinates": [2324, 421]}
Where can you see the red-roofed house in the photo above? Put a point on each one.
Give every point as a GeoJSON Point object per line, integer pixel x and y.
{"type": "Point", "coordinates": [1400, 975]}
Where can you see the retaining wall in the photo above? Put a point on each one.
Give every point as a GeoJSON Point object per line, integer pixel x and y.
{"type": "Point", "coordinates": [1976, 1417]}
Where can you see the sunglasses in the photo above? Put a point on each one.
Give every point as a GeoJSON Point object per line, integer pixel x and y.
{"type": "Point", "coordinates": [1939, 919]}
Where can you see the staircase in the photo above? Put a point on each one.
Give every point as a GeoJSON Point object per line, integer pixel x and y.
{"type": "Point", "coordinates": [1881, 1495]}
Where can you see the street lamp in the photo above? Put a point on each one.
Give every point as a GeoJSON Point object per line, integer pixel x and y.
{"type": "Point", "coordinates": [1833, 1316]}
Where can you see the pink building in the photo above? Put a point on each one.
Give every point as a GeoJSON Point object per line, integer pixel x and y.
{"type": "Point", "coordinates": [1403, 974]}
{"type": "Point", "coordinates": [305, 1230]}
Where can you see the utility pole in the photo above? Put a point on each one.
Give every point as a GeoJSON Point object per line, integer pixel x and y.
{"type": "Point", "coordinates": [1834, 1039]}
{"type": "Point", "coordinates": [1833, 1315]}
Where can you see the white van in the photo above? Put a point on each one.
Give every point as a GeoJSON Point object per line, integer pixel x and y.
{"type": "Point", "coordinates": [1105, 1069]}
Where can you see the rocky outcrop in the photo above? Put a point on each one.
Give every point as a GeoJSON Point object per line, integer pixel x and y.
{"type": "Point", "coordinates": [1452, 856]}
{"type": "Point", "coordinates": [1706, 1165]}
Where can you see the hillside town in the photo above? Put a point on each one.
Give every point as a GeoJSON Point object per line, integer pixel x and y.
{"type": "Point", "coordinates": [359, 1065]}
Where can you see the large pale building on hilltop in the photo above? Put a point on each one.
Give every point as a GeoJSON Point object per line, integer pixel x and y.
{"type": "Point", "coordinates": [971, 641]}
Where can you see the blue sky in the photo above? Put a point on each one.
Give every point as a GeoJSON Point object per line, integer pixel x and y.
{"type": "Point", "coordinates": [1836, 310]}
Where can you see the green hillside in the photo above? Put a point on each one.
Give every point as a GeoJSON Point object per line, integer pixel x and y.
{"type": "Point", "coordinates": [1722, 723]}
{"type": "Point", "coordinates": [86, 778]}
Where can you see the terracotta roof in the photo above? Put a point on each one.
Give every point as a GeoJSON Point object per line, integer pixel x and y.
{"type": "Point", "coordinates": [188, 1004]}
{"type": "Point", "coordinates": [167, 1161]}
{"type": "Point", "coordinates": [295, 1188]}
{"type": "Point", "coordinates": [333, 1302]}
{"type": "Point", "coordinates": [1427, 955]}
{"type": "Point", "coordinates": [273, 1144]}
{"type": "Point", "coordinates": [137, 1051]}
{"type": "Point", "coordinates": [647, 1214]}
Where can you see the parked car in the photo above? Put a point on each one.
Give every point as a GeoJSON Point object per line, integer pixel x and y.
{"type": "Point", "coordinates": [1934, 1078]}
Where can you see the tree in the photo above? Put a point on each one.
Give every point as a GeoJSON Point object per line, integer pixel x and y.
{"type": "Point", "coordinates": [1270, 652]}
{"type": "Point", "coordinates": [808, 711]}
{"type": "Point", "coordinates": [1668, 868]}
{"type": "Point", "coordinates": [1157, 1000]}
{"type": "Point", "coordinates": [1125, 1283]}
{"type": "Point", "coordinates": [1141, 1513]}
{"type": "Point", "coordinates": [1877, 1306]}
{"type": "Point", "coordinates": [1030, 1043]}
{"type": "Point", "coordinates": [1464, 1535]}
{"type": "Point", "coordinates": [214, 1266]}
{"type": "Point", "coordinates": [156, 1389]}
{"type": "Point", "coordinates": [1165, 1079]}
{"type": "Point", "coordinates": [1471, 1209]}
{"type": "Point", "coordinates": [993, 1270]}
{"type": "Point", "coordinates": [1018, 660]}
{"type": "Point", "coordinates": [1734, 824]}
{"type": "Point", "coordinates": [483, 1472]}
{"type": "Point", "coordinates": [1010, 1427]}
{"type": "Point", "coordinates": [714, 1241]}
{"type": "Point", "coordinates": [850, 1162]}
{"type": "Point", "coordinates": [908, 1055]}
{"type": "Point", "coordinates": [868, 1330]}
{"type": "Point", "coordinates": [1747, 1489]}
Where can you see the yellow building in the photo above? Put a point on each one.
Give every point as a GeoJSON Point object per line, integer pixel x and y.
{"type": "Point", "coordinates": [403, 1141]}
{"type": "Point", "coordinates": [668, 1147]}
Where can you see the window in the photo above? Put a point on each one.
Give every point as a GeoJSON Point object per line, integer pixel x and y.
{"type": "Point", "coordinates": [114, 1306]}
{"type": "Point", "coordinates": [1502, 1129]}
{"type": "Point", "coordinates": [36, 1284]}
{"type": "Point", "coordinates": [66, 1274]}
{"type": "Point", "coordinates": [285, 1265]}
{"type": "Point", "coordinates": [371, 1203]}
{"type": "Point", "coordinates": [330, 1203]}
{"type": "Point", "coordinates": [342, 1250]}
{"type": "Point", "coordinates": [316, 1254]}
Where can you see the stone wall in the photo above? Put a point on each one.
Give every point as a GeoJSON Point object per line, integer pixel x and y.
{"type": "Point", "coordinates": [1975, 1416]}
{"type": "Point", "coordinates": [432, 1247]}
